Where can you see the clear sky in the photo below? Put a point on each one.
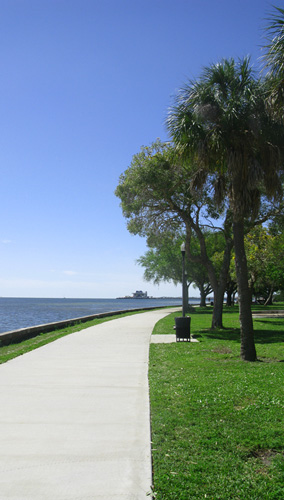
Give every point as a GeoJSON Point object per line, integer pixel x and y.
{"type": "Point", "coordinates": [84, 84]}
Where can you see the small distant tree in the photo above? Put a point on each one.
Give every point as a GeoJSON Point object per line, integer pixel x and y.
{"type": "Point", "coordinates": [265, 254]}
{"type": "Point", "coordinates": [162, 262]}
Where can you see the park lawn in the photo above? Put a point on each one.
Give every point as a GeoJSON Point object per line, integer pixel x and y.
{"type": "Point", "coordinates": [218, 422]}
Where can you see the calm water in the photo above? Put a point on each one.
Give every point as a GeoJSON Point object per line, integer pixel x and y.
{"type": "Point", "coordinates": [22, 312]}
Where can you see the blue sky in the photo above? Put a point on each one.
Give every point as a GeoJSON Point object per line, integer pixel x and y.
{"type": "Point", "coordinates": [84, 84]}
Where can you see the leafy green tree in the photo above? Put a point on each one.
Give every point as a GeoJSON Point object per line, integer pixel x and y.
{"type": "Point", "coordinates": [162, 262]}
{"type": "Point", "coordinates": [220, 122]}
{"type": "Point", "coordinates": [265, 255]}
{"type": "Point", "coordinates": [196, 269]}
{"type": "Point", "coordinates": [157, 195]}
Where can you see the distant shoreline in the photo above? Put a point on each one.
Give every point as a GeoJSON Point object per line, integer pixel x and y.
{"type": "Point", "coordinates": [148, 298]}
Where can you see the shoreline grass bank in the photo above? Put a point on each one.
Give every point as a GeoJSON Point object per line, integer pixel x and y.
{"type": "Point", "coordinates": [217, 422]}
{"type": "Point", "coordinates": [13, 350]}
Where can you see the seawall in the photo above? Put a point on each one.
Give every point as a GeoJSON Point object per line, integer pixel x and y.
{"type": "Point", "coordinates": [16, 336]}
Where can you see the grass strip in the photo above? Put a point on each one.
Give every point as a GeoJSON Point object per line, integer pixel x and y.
{"type": "Point", "coordinates": [217, 422]}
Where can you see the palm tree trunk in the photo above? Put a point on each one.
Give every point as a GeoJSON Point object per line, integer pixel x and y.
{"type": "Point", "coordinates": [248, 352]}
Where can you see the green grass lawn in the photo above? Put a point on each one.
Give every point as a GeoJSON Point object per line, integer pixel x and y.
{"type": "Point", "coordinates": [217, 421]}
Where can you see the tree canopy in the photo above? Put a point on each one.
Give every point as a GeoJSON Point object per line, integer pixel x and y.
{"type": "Point", "coordinates": [158, 195]}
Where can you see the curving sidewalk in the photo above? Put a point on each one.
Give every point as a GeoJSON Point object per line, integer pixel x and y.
{"type": "Point", "coordinates": [74, 415]}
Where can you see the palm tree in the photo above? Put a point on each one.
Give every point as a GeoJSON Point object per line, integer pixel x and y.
{"type": "Point", "coordinates": [274, 59]}
{"type": "Point", "coordinates": [221, 123]}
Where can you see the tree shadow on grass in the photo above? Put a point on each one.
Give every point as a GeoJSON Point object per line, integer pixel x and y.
{"type": "Point", "coordinates": [268, 336]}
{"type": "Point", "coordinates": [221, 334]}
{"type": "Point", "coordinates": [209, 310]}
{"type": "Point", "coordinates": [277, 323]}
{"type": "Point", "coordinates": [199, 310]}
{"type": "Point", "coordinates": [233, 334]}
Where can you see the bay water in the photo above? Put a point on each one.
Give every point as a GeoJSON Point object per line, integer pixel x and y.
{"type": "Point", "coordinates": [16, 313]}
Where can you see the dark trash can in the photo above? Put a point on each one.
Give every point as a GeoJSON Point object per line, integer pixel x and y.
{"type": "Point", "coordinates": [182, 328]}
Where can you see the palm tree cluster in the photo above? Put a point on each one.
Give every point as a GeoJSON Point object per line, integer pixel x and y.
{"type": "Point", "coordinates": [225, 160]}
{"type": "Point", "coordinates": [223, 123]}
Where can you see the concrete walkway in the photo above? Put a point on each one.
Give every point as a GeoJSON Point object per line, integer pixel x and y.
{"type": "Point", "coordinates": [74, 416]}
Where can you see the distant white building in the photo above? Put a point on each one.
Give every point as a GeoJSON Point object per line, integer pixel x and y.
{"type": "Point", "coordinates": [140, 295]}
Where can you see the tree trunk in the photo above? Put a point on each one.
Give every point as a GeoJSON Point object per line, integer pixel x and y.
{"type": "Point", "coordinates": [219, 290]}
{"type": "Point", "coordinates": [202, 297]}
{"type": "Point", "coordinates": [230, 291]}
{"type": "Point", "coordinates": [268, 301]}
{"type": "Point", "coordinates": [248, 352]}
{"type": "Point", "coordinates": [186, 295]}
{"type": "Point", "coordinates": [218, 286]}
{"type": "Point", "coordinates": [217, 316]}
